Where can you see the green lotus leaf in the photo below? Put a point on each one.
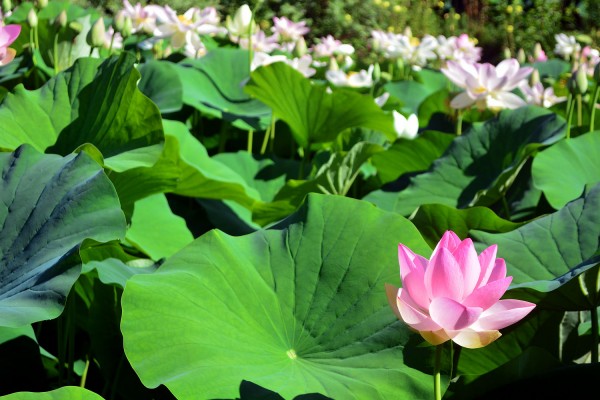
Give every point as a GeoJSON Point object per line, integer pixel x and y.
{"type": "Point", "coordinates": [406, 155]}
{"type": "Point", "coordinates": [155, 230]}
{"type": "Point", "coordinates": [50, 205]}
{"type": "Point", "coordinates": [412, 92]}
{"type": "Point", "coordinates": [63, 393]}
{"type": "Point", "coordinates": [547, 255]}
{"type": "Point", "coordinates": [161, 84]}
{"type": "Point", "coordinates": [432, 220]}
{"type": "Point", "coordinates": [563, 170]}
{"type": "Point", "coordinates": [313, 114]}
{"type": "Point", "coordinates": [214, 84]}
{"type": "Point", "coordinates": [185, 168]}
{"type": "Point", "coordinates": [298, 308]}
{"type": "Point", "coordinates": [479, 166]}
{"type": "Point", "coordinates": [92, 102]}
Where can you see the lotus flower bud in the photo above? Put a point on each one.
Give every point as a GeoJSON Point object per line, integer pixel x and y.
{"type": "Point", "coordinates": [521, 58]}
{"type": "Point", "coordinates": [333, 65]}
{"type": "Point", "coordinates": [61, 20]}
{"type": "Point", "coordinates": [42, 4]}
{"type": "Point", "coordinates": [376, 72]}
{"type": "Point", "coordinates": [96, 35]}
{"type": "Point", "coordinates": [6, 6]}
{"type": "Point", "coordinates": [408, 32]}
{"type": "Point", "coordinates": [119, 21]}
{"type": "Point", "coordinates": [538, 52]}
{"type": "Point", "coordinates": [534, 78]}
{"type": "Point", "coordinates": [300, 48]}
{"type": "Point", "coordinates": [32, 18]}
{"type": "Point", "coordinates": [578, 83]}
{"type": "Point", "coordinates": [127, 27]}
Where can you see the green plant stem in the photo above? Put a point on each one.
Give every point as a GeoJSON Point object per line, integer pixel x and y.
{"type": "Point", "coordinates": [71, 336]}
{"type": "Point", "coordinates": [594, 318]}
{"type": "Point", "coordinates": [250, 140]}
{"type": "Point", "coordinates": [437, 376]}
{"type": "Point", "coordinates": [593, 107]}
{"type": "Point", "coordinates": [85, 372]}
{"type": "Point", "coordinates": [505, 207]}
{"type": "Point", "coordinates": [36, 37]}
{"type": "Point", "coordinates": [55, 51]}
{"type": "Point", "coordinates": [579, 107]}
{"type": "Point", "coordinates": [263, 148]}
{"type": "Point", "coordinates": [459, 119]}
{"type": "Point", "coordinates": [570, 109]}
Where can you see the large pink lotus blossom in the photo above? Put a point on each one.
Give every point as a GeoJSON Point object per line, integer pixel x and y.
{"type": "Point", "coordinates": [455, 295]}
{"type": "Point", "coordinates": [8, 34]}
{"type": "Point", "coordinates": [487, 86]}
{"type": "Point", "coordinates": [288, 30]}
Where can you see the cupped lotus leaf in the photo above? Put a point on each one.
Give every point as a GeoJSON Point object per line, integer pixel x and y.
{"type": "Point", "coordinates": [50, 204]}
{"type": "Point", "coordinates": [92, 102]}
{"type": "Point", "coordinates": [313, 113]}
{"type": "Point", "coordinates": [297, 308]}
{"type": "Point", "coordinates": [479, 166]}
{"type": "Point", "coordinates": [214, 84]}
{"type": "Point", "coordinates": [162, 85]}
{"type": "Point", "coordinates": [563, 170]}
{"type": "Point", "coordinates": [407, 155]}
{"type": "Point", "coordinates": [62, 393]}
{"type": "Point", "coordinates": [548, 253]}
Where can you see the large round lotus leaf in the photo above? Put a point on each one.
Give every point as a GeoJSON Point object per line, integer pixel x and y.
{"type": "Point", "coordinates": [63, 393]}
{"type": "Point", "coordinates": [563, 170]}
{"type": "Point", "coordinates": [298, 308]}
{"type": "Point", "coordinates": [48, 206]}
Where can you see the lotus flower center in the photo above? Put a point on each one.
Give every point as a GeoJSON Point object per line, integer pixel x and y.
{"type": "Point", "coordinates": [414, 41]}
{"type": "Point", "coordinates": [291, 353]}
{"type": "Point", "coordinates": [480, 90]}
{"type": "Point", "coordinates": [184, 20]}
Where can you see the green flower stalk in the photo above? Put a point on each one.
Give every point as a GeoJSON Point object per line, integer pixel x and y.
{"type": "Point", "coordinates": [595, 96]}
{"type": "Point", "coordinates": [32, 20]}
{"type": "Point", "coordinates": [578, 85]}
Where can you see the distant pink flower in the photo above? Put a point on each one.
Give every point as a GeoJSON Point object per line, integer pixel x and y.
{"type": "Point", "coordinates": [540, 96]}
{"type": "Point", "coordinates": [487, 86]}
{"type": "Point", "coordinates": [455, 295]}
{"type": "Point", "coordinates": [8, 34]}
{"type": "Point", "coordinates": [288, 30]}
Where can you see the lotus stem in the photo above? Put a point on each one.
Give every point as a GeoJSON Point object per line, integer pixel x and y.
{"type": "Point", "coordinates": [55, 53]}
{"type": "Point", "coordinates": [459, 119]}
{"type": "Point", "coordinates": [263, 148]}
{"type": "Point", "coordinates": [593, 107]}
{"type": "Point", "coordinates": [594, 318]}
{"type": "Point", "coordinates": [250, 140]}
{"type": "Point", "coordinates": [570, 109]}
{"type": "Point", "coordinates": [579, 107]}
{"type": "Point", "coordinates": [437, 381]}
{"type": "Point", "coordinates": [85, 372]}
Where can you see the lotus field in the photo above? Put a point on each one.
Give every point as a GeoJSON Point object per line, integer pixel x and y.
{"type": "Point", "coordinates": [202, 206]}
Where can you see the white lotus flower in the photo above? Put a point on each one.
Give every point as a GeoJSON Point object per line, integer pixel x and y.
{"type": "Point", "coordinates": [539, 96]}
{"type": "Point", "coordinates": [566, 46]}
{"type": "Point", "coordinates": [412, 50]}
{"type": "Point", "coordinates": [180, 27]}
{"type": "Point", "coordinates": [353, 79]}
{"type": "Point", "coordinates": [301, 64]}
{"type": "Point", "coordinates": [406, 127]}
{"type": "Point", "coordinates": [487, 86]}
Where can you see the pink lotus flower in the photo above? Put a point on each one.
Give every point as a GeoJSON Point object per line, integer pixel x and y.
{"type": "Point", "coordinates": [456, 294]}
{"type": "Point", "coordinates": [8, 34]}
{"type": "Point", "coordinates": [487, 86]}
